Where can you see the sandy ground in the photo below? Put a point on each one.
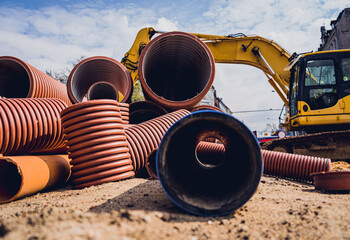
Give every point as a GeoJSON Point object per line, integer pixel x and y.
{"type": "Point", "coordinates": [139, 209]}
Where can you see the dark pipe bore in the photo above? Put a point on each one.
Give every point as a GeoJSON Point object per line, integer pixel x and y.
{"type": "Point", "coordinates": [176, 70]}
{"type": "Point", "coordinates": [98, 69]}
{"type": "Point", "coordinates": [14, 79]}
{"type": "Point", "coordinates": [206, 187]}
{"type": "Point", "coordinates": [102, 90]}
{"type": "Point", "coordinates": [10, 180]}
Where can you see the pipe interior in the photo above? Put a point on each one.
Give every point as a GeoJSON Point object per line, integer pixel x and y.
{"type": "Point", "coordinates": [141, 116]}
{"type": "Point", "coordinates": [209, 158]}
{"type": "Point", "coordinates": [98, 70]}
{"type": "Point", "coordinates": [230, 182]}
{"type": "Point", "coordinates": [10, 180]}
{"type": "Point", "coordinates": [176, 68]}
{"type": "Point", "coordinates": [102, 90]}
{"type": "Point", "coordinates": [14, 79]}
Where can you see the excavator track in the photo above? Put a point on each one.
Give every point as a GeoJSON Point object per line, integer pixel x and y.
{"type": "Point", "coordinates": [334, 145]}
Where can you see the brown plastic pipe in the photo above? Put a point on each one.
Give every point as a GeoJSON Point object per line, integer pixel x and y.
{"type": "Point", "coordinates": [18, 79]}
{"type": "Point", "coordinates": [29, 125]}
{"type": "Point", "coordinates": [205, 107]}
{"type": "Point", "coordinates": [124, 112]}
{"type": "Point", "coordinates": [96, 69]}
{"type": "Point", "coordinates": [96, 143]}
{"type": "Point", "coordinates": [102, 90]}
{"type": "Point", "coordinates": [294, 166]}
{"type": "Point", "coordinates": [144, 137]}
{"type": "Point", "coordinates": [176, 70]}
{"type": "Point", "coordinates": [22, 176]}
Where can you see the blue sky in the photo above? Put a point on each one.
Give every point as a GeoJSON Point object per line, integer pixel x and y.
{"type": "Point", "coordinates": [51, 34]}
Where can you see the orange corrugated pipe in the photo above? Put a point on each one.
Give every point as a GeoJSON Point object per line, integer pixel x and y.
{"type": "Point", "coordinates": [96, 142]}
{"type": "Point", "coordinates": [280, 164]}
{"type": "Point", "coordinates": [176, 70]}
{"type": "Point", "coordinates": [19, 79]}
{"type": "Point", "coordinates": [29, 125]}
{"type": "Point", "coordinates": [98, 69]}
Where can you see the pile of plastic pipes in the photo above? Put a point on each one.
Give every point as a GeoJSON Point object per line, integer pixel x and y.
{"type": "Point", "coordinates": [89, 132]}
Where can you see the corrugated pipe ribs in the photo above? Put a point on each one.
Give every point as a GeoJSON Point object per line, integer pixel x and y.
{"type": "Point", "coordinates": [21, 80]}
{"type": "Point", "coordinates": [110, 75]}
{"type": "Point", "coordinates": [144, 137]}
{"type": "Point", "coordinates": [176, 70]}
{"type": "Point", "coordinates": [96, 143]}
{"type": "Point", "coordinates": [204, 187]}
{"type": "Point", "coordinates": [100, 149]}
{"type": "Point", "coordinates": [294, 166]}
{"type": "Point", "coordinates": [29, 125]}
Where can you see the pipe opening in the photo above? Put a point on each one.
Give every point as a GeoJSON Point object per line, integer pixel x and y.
{"type": "Point", "coordinates": [102, 90]}
{"type": "Point", "coordinates": [98, 70]}
{"type": "Point", "coordinates": [151, 164]}
{"type": "Point", "coordinates": [223, 186]}
{"type": "Point", "coordinates": [14, 79]}
{"type": "Point", "coordinates": [10, 180]}
{"type": "Point", "coordinates": [208, 154]}
{"type": "Point", "coordinates": [143, 111]}
{"type": "Point", "coordinates": [177, 67]}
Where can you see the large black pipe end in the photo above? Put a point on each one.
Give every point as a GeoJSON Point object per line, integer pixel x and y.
{"type": "Point", "coordinates": [209, 188]}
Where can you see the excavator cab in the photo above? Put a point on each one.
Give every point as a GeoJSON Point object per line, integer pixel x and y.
{"type": "Point", "coordinates": [320, 91]}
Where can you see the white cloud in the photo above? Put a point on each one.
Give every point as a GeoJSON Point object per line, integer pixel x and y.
{"type": "Point", "coordinates": [52, 37]}
{"type": "Point", "coordinates": [293, 24]}
{"type": "Point", "coordinates": [164, 24]}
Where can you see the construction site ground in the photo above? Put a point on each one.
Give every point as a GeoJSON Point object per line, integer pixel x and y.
{"type": "Point", "coordinates": [139, 209]}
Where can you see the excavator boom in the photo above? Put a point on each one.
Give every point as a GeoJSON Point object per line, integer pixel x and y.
{"type": "Point", "coordinates": [251, 50]}
{"type": "Point", "coordinates": [312, 86]}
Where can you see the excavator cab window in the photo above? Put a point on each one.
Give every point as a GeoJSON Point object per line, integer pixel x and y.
{"type": "Point", "coordinates": [345, 63]}
{"type": "Point", "coordinates": [320, 84]}
{"type": "Point", "coordinates": [294, 83]}
{"type": "Point", "coordinates": [345, 83]}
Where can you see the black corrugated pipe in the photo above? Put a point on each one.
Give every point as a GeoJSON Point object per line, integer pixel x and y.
{"type": "Point", "coordinates": [209, 188]}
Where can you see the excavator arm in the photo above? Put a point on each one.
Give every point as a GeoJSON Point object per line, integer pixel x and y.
{"type": "Point", "coordinates": [256, 51]}
{"type": "Point", "coordinates": [239, 49]}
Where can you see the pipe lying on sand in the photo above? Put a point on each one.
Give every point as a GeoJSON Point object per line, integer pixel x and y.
{"type": "Point", "coordinates": [96, 143]}
{"type": "Point", "coordinates": [209, 188]}
{"type": "Point", "coordinates": [287, 165]}
{"type": "Point", "coordinates": [22, 176]}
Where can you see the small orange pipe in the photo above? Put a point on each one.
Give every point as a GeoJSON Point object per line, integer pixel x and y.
{"type": "Point", "coordinates": [22, 176]}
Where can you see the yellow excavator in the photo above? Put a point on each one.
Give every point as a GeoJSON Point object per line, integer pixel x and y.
{"type": "Point", "coordinates": [314, 86]}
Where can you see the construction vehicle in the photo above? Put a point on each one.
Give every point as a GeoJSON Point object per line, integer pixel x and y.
{"type": "Point", "coordinates": [314, 86]}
